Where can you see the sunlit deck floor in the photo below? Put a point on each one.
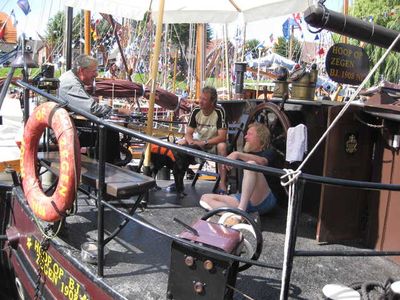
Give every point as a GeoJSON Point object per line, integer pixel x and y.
{"type": "Point", "coordinates": [137, 265]}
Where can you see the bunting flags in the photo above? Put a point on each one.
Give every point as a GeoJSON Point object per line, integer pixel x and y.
{"type": "Point", "coordinates": [297, 20]}
{"type": "Point", "coordinates": [24, 5]}
{"type": "Point", "coordinates": [93, 30]}
{"type": "Point", "coordinates": [261, 45]}
{"type": "Point", "coordinates": [285, 29]}
{"type": "Point", "coordinates": [289, 23]}
{"type": "Point", "coordinates": [271, 38]}
{"type": "Point", "coordinates": [248, 56]}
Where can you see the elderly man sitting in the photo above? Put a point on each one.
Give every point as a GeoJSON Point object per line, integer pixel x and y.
{"type": "Point", "coordinates": [256, 194]}
{"type": "Point", "coordinates": [72, 90]}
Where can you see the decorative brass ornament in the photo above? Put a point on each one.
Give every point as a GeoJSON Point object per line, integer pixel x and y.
{"type": "Point", "coordinates": [351, 143]}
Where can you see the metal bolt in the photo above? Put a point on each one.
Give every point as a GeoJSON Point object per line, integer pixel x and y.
{"type": "Point", "coordinates": [198, 287]}
{"type": "Point", "coordinates": [208, 265]}
{"type": "Point", "coordinates": [189, 261]}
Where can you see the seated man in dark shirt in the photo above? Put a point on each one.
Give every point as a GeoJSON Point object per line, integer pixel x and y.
{"type": "Point", "coordinates": [72, 90]}
{"type": "Point", "coordinates": [256, 194]}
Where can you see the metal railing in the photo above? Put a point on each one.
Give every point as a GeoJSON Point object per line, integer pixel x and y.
{"type": "Point", "coordinates": [295, 206]}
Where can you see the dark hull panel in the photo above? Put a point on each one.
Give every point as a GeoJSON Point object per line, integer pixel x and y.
{"type": "Point", "coordinates": [62, 274]}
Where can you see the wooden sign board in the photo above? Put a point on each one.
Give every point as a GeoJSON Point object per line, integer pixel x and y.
{"type": "Point", "coordinates": [10, 32]}
{"type": "Point", "coordinates": [347, 64]}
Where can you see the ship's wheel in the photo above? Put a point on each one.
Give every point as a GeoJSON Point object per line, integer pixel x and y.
{"type": "Point", "coordinates": [278, 123]}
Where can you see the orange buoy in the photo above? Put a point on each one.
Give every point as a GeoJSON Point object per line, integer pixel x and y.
{"type": "Point", "coordinates": [50, 208]}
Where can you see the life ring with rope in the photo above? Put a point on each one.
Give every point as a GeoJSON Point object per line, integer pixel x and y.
{"type": "Point", "coordinates": [50, 208]}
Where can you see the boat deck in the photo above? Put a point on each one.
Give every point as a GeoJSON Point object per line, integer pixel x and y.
{"type": "Point", "coordinates": [138, 263]}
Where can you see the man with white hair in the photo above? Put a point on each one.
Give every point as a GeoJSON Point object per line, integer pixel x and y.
{"type": "Point", "coordinates": [256, 194]}
{"type": "Point", "coordinates": [72, 86]}
{"type": "Point", "coordinates": [72, 90]}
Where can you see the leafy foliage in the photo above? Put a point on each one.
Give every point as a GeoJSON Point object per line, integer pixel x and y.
{"type": "Point", "coordinates": [385, 13]}
{"type": "Point", "coordinates": [55, 29]}
{"type": "Point", "coordinates": [251, 46]}
{"type": "Point", "coordinates": [281, 47]}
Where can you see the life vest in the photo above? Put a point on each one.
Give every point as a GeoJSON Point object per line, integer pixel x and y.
{"type": "Point", "coordinates": [50, 208]}
{"type": "Point", "coordinates": [162, 150]}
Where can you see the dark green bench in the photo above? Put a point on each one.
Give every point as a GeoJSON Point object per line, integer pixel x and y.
{"type": "Point", "coordinates": [120, 183]}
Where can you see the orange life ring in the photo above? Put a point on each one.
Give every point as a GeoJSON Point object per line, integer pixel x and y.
{"type": "Point", "coordinates": [50, 208]}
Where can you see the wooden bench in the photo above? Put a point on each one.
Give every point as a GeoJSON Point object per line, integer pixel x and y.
{"type": "Point", "coordinates": [120, 183]}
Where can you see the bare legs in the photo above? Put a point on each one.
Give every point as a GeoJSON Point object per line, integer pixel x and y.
{"type": "Point", "coordinates": [211, 201]}
{"type": "Point", "coordinates": [254, 189]}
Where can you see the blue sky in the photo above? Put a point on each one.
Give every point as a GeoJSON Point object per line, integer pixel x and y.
{"type": "Point", "coordinates": [43, 10]}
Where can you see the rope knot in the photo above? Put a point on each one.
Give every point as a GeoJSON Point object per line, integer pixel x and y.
{"type": "Point", "coordinates": [290, 177]}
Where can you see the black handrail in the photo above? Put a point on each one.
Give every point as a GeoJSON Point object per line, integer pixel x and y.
{"type": "Point", "coordinates": [293, 208]}
{"type": "Point", "coordinates": [213, 157]}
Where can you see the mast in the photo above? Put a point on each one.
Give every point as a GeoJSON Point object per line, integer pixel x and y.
{"type": "Point", "coordinates": [174, 76]}
{"type": "Point", "coordinates": [87, 32]}
{"type": "Point", "coordinates": [68, 38]}
{"type": "Point", "coordinates": [291, 41]}
{"type": "Point", "coordinates": [200, 55]}
{"type": "Point", "coordinates": [227, 61]}
{"type": "Point", "coordinates": [345, 12]}
{"type": "Point", "coordinates": [153, 78]}
{"type": "Point", "coordinates": [165, 60]}
{"type": "Point", "coordinates": [244, 42]}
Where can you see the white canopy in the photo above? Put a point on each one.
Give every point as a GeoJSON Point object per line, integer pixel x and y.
{"type": "Point", "coordinates": [271, 59]}
{"type": "Point", "coordinates": [194, 11]}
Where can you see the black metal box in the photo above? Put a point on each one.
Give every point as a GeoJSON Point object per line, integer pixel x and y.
{"type": "Point", "coordinates": [190, 275]}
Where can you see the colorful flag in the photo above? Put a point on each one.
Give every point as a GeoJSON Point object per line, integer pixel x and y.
{"type": "Point", "coordinates": [14, 18]}
{"type": "Point", "coordinates": [248, 57]}
{"type": "Point", "coordinates": [297, 20]}
{"type": "Point", "coordinates": [260, 45]}
{"type": "Point", "coordinates": [24, 5]}
{"type": "Point", "coordinates": [287, 25]}
{"type": "Point", "coordinates": [285, 29]}
{"type": "Point", "coordinates": [93, 31]}
{"type": "Point", "coordinates": [271, 38]}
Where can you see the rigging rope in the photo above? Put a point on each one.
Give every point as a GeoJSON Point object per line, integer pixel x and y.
{"type": "Point", "coordinates": [290, 178]}
{"type": "Point", "coordinates": [5, 4]}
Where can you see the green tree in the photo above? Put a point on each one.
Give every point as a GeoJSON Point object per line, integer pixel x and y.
{"type": "Point", "coordinates": [251, 46]}
{"type": "Point", "coordinates": [55, 30]}
{"type": "Point", "coordinates": [385, 13]}
{"type": "Point", "coordinates": [281, 47]}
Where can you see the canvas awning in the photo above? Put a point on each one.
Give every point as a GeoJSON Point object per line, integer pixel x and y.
{"type": "Point", "coordinates": [184, 11]}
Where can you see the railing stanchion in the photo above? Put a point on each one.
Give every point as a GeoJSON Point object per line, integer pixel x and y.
{"type": "Point", "coordinates": [100, 206]}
